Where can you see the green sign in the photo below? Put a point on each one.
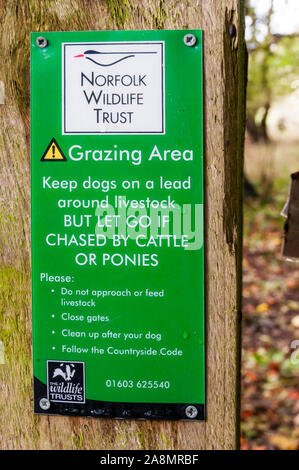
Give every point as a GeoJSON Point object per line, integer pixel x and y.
{"type": "Point", "coordinates": [117, 224]}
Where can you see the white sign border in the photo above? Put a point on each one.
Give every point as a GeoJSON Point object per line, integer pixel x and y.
{"type": "Point", "coordinates": [64, 132]}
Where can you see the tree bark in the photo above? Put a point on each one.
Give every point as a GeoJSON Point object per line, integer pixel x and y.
{"type": "Point", "coordinates": [224, 91]}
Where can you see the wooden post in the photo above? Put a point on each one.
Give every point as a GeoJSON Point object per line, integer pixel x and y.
{"type": "Point", "coordinates": [224, 90]}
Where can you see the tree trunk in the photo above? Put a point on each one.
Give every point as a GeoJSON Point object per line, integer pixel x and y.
{"type": "Point", "coordinates": [224, 89]}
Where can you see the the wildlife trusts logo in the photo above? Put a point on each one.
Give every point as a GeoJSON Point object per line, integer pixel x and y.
{"type": "Point", "coordinates": [66, 381]}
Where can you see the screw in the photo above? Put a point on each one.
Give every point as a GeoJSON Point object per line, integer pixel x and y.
{"type": "Point", "coordinates": [44, 404]}
{"type": "Point", "coordinates": [41, 42]}
{"type": "Point", "coordinates": [190, 40]}
{"type": "Point", "coordinates": [191, 411]}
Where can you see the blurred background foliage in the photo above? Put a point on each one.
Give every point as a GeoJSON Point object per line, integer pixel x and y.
{"type": "Point", "coordinates": [270, 399]}
{"type": "Point", "coordinates": [273, 66]}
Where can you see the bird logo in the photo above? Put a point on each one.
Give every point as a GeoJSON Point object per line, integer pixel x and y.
{"type": "Point", "coordinates": [92, 55]}
{"type": "Point", "coordinates": [100, 58]}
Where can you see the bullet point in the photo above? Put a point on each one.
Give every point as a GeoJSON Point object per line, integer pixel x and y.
{"type": "Point", "coordinates": [53, 316]}
{"type": "Point", "coordinates": [53, 347]}
{"type": "Point", "coordinates": [53, 332]}
{"type": "Point", "coordinates": [52, 290]}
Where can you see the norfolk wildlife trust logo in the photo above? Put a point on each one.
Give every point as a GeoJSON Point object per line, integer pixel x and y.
{"type": "Point", "coordinates": [113, 88]}
{"type": "Point", "coordinates": [66, 381]}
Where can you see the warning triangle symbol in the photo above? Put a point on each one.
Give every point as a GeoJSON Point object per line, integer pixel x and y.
{"type": "Point", "coordinates": [53, 153]}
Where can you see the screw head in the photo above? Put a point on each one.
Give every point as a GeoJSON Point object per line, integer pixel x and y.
{"type": "Point", "coordinates": [190, 40]}
{"type": "Point", "coordinates": [41, 42]}
{"type": "Point", "coordinates": [44, 404]}
{"type": "Point", "coordinates": [191, 411]}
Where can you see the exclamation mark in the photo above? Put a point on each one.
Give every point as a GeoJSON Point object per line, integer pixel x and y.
{"type": "Point", "coordinates": [53, 151]}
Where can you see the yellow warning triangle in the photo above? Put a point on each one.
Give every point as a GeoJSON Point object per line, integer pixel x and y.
{"type": "Point", "coordinates": [53, 153]}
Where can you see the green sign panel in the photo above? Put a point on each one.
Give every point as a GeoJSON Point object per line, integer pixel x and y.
{"type": "Point", "coordinates": [117, 224]}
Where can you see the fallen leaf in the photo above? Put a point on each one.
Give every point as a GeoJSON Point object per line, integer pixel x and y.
{"type": "Point", "coordinates": [262, 307]}
{"type": "Point", "coordinates": [283, 442]}
{"type": "Point", "coordinates": [251, 376]}
{"type": "Point", "coordinates": [276, 241]}
{"type": "Point", "coordinates": [293, 305]}
{"type": "Point", "coordinates": [293, 395]}
{"type": "Point", "coordinates": [291, 283]}
{"type": "Point", "coordinates": [247, 414]}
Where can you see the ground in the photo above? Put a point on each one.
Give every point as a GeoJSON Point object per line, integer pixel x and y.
{"type": "Point", "coordinates": [270, 371]}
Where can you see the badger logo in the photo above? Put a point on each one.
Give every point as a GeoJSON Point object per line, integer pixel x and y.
{"type": "Point", "coordinates": [68, 374]}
